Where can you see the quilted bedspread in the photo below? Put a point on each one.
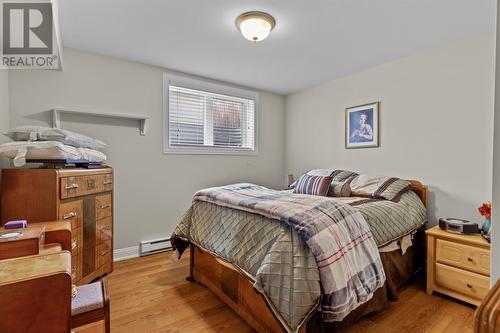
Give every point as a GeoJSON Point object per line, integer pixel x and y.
{"type": "Point", "coordinates": [241, 224]}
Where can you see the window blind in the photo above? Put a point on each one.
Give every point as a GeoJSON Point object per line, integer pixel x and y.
{"type": "Point", "coordinates": [204, 119]}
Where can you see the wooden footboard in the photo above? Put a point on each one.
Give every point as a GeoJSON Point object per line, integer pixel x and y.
{"type": "Point", "coordinates": [234, 289]}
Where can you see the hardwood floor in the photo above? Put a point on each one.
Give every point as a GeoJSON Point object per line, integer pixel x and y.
{"type": "Point", "coordinates": [151, 294]}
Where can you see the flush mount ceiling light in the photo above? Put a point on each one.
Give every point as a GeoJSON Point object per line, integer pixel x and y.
{"type": "Point", "coordinates": [255, 26]}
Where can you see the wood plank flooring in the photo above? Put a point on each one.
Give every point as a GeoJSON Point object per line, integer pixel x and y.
{"type": "Point", "coordinates": [151, 294]}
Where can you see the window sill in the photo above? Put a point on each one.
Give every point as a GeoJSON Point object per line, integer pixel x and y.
{"type": "Point", "coordinates": [209, 151]}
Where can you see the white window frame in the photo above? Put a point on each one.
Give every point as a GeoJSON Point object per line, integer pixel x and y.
{"type": "Point", "coordinates": [216, 89]}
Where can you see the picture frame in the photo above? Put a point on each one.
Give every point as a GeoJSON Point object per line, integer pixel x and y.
{"type": "Point", "coordinates": [362, 126]}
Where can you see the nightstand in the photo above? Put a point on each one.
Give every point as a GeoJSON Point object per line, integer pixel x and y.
{"type": "Point", "coordinates": [458, 265]}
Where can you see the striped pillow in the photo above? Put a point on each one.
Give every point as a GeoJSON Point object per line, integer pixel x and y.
{"type": "Point", "coordinates": [389, 188]}
{"type": "Point", "coordinates": [313, 172]}
{"type": "Point", "coordinates": [343, 175]}
{"type": "Point", "coordinates": [339, 189]}
{"type": "Point", "coordinates": [313, 185]}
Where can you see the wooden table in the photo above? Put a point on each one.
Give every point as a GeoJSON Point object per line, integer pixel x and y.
{"type": "Point", "coordinates": [27, 243]}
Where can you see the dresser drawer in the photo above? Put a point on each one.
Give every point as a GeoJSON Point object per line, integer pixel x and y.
{"type": "Point", "coordinates": [71, 187]}
{"type": "Point", "coordinates": [76, 267]}
{"type": "Point", "coordinates": [104, 253]}
{"type": "Point", "coordinates": [72, 211]}
{"type": "Point", "coordinates": [76, 240]}
{"type": "Point", "coordinates": [104, 229]}
{"type": "Point", "coordinates": [106, 182]}
{"type": "Point", "coordinates": [76, 186]}
{"type": "Point", "coordinates": [470, 285]}
{"type": "Point", "coordinates": [463, 256]}
{"type": "Point", "coordinates": [103, 206]}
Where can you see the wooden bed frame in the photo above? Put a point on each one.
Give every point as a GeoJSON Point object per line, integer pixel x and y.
{"type": "Point", "coordinates": [236, 290]}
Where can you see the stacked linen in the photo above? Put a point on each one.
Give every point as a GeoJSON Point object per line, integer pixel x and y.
{"type": "Point", "coordinates": [44, 143]}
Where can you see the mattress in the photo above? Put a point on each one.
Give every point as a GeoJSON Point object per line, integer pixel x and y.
{"type": "Point", "coordinates": [276, 259]}
{"type": "Point", "coordinates": [389, 220]}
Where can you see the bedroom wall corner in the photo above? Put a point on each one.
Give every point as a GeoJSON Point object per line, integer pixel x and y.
{"type": "Point", "coordinates": [436, 124]}
{"type": "Point", "coordinates": [495, 244]}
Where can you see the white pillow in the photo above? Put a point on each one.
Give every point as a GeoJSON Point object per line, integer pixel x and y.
{"type": "Point", "coordinates": [41, 133]}
{"type": "Point", "coordinates": [47, 150]}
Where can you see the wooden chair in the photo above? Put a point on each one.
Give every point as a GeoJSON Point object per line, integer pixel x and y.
{"type": "Point", "coordinates": [487, 318]}
{"type": "Point", "coordinates": [91, 304]}
{"type": "Point", "coordinates": [35, 293]}
{"type": "Point", "coordinates": [35, 284]}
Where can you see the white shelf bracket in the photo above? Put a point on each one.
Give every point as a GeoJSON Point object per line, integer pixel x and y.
{"type": "Point", "coordinates": [56, 121]}
{"type": "Point", "coordinates": [143, 126]}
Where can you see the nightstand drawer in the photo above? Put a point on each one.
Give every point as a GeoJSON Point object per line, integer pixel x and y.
{"type": "Point", "coordinates": [463, 256]}
{"type": "Point", "coordinates": [471, 286]}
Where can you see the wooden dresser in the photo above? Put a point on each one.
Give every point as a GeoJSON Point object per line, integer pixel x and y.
{"type": "Point", "coordinates": [82, 196]}
{"type": "Point", "coordinates": [458, 265]}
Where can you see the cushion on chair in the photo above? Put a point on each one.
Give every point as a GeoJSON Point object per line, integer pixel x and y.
{"type": "Point", "coordinates": [88, 298]}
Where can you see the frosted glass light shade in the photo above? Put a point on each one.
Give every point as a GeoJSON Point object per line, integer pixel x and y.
{"type": "Point", "coordinates": [255, 26]}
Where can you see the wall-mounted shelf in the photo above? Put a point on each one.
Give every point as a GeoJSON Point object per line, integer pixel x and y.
{"type": "Point", "coordinates": [56, 112]}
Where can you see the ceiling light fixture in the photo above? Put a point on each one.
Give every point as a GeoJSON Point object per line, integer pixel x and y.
{"type": "Point", "coordinates": [255, 26]}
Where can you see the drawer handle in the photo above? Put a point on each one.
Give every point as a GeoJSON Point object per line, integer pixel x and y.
{"type": "Point", "coordinates": [108, 182]}
{"type": "Point", "coordinates": [103, 253]}
{"type": "Point", "coordinates": [469, 286]}
{"type": "Point", "coordinates": [69, 215]}
{"type": "Point", "coordinates": [74, 244]}
{"type": "Point", "coordinates": [470, 259]}
{"type": "Point", "coordinates": [71, 186]}
{"type": "Point", "coordinates": [106, 206]}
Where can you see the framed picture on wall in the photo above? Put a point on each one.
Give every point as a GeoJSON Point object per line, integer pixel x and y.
{"type": "Point", "coordinates": [362, 126]}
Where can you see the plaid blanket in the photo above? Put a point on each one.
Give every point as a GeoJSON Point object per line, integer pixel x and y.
{"type": "Point", "coordinates": [337, 234]}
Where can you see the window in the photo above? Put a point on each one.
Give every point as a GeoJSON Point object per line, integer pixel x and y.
{"type": "Point", "coordinates": [205, 118]}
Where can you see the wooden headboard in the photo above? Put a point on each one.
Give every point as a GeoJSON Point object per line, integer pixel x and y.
{"type": "Point", "coordinates": [421, 190]}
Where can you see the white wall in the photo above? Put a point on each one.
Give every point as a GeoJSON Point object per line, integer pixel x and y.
{"type": "Point", "coordinates": [152, 190]}
{"type": "Point", "coordinates": [495, 243]}
{"type": "Point", "coordinates": [4, 113]}
{"type": "Point", "coordinates": [4, 103]}
{"type": "Point", "coordinates": [436, 124]}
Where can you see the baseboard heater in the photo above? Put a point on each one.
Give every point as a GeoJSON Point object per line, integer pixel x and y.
{"type": "Point", "coordinates": [154, 246]}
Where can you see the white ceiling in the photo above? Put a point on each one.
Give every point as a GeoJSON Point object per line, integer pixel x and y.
{"type": "Point", "coordinates": [314, 40]}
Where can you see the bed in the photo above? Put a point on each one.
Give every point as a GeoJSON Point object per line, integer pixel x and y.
{"type": "Point", "coordinates": [239, 275]}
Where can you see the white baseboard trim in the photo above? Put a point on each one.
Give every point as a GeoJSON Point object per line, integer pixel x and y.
{"type": "Point", "coordinates": [126, 253]}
